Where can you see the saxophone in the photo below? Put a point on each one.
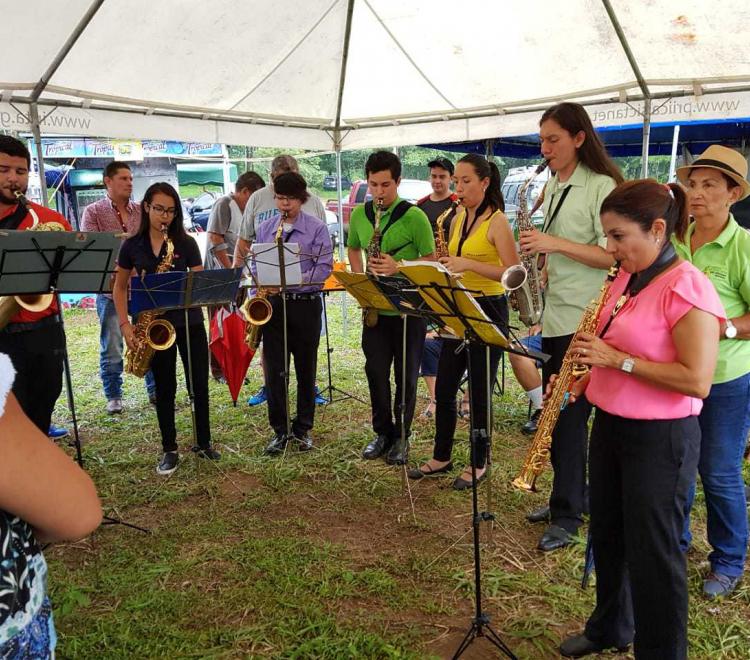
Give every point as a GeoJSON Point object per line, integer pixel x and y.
{"type": "Point", "coordinates": [151, 333]}
{"type": "Point", "coordinates": [523, 281]}
{"type": "Point", "coordinates": [257, 310]}
{"type": "Point", "coordinates": [11, 305]}
{"type": "Point", "coordinates": [570, 372]}
{"type": "Point", "coordinates": [441, 241]}
{"type": "Point", "coordinates": [370, 314]}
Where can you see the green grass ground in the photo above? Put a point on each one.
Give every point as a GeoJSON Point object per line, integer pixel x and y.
{"type": "Point", "coordinates": [317, 555]}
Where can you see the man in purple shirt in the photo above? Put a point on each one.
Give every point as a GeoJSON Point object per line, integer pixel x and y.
{"type": "Point", "coordinates": [117, 213]}
{"type": "Point", "coordinates": [303, 314]}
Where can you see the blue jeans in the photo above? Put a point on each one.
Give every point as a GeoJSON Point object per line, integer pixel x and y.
{"type": "Point", "coordinates": [724, 423]}
{"type": "Point", "coordinates": [110, 351]}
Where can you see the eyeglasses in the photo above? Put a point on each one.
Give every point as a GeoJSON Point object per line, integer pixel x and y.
{"type": "Point", "coordinates": [160, 210]}
{"type": "Point", "coordinates": [284, 198]}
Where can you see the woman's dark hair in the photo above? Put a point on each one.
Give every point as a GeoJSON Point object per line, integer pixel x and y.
{"type": "Point", "coordinates": [493, 196]}
{"type": "Point", "coordinates": [645, 200]}
{"type": "Point", "coordinates": [573, 118]}
{"type": "Point", "coordinates": [291, 184]}
{"type": "Point", "coordinates": [380, 161]}
{"type": "Point", "coordinates": [176, 229]}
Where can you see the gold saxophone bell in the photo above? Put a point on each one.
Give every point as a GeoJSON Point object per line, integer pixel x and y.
{"type": "Point", "coordinates": [160, 334]}
{"type": "Point", "coordinates": [257, 310]}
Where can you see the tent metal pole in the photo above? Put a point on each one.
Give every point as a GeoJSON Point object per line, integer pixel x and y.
{"type": "Point", "coordinates": [646, 136]}
{"type": "Point", "coordinates": [226, 168]}
{"type": "Point", "coordinates": [673, 159]}
{"type": "Point", "coordinates": [66, 48]}
{"type": "Point", "coordinates": [35, 130]}
{"type": "Point", "coordinates": [337, 148]}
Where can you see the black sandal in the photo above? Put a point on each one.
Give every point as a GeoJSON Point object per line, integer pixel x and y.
{"type": "Point", "coordinates": [417, 473]}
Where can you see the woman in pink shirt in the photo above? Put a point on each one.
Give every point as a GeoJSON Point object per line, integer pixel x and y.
{"type": "Point", "coordinates": [652, 361]}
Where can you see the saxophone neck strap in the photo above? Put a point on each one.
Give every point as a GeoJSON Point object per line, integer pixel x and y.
{"type": "Point", "coordinates": [639, 281]}
{"type": "Point", "coordinates": [549, 222]}
{"type": "Point", "coordinates": [396, 214]}
{"type": "Point", "coordinates": [14, 220]}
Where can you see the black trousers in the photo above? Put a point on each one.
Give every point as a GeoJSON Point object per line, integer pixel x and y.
{"type": "Point", "coordinates": [37, 356]}
{"type": "Point", "coordinates": [569, 445]}
{"type": "Point", "coordinates": [451, 368]}
{"type": "Point", "coordinates": [303, 337]}
{"type": "Point", "coordinates": [383, 347]}
{"type": "Point", "coordinates": [164, 368]}
{"type": "Point", "coordinates": [640, 472]}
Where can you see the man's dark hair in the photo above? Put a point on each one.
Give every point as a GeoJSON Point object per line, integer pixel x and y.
{"type": "Point", "coordinates": [380, 161]}
{"type": "Point", "coordinates": [250, 180]}
{"type": "Point", "coordinates": [113, 167]}
{"type": "Point", "coordinates": [10, 146]}
{"type": "Point", "coordinates": [291, 184]}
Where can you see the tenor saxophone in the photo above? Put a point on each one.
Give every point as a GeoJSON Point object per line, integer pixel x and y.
{"type": "Point", "coordinates": [538, 452]}
{"type": "Point", "coordinates": [370, 314]}
{"type": "Point", "coordinates": [523, 281]}
{"type": "Point", "coordinates": [11, 305]}
{"type": "Point", "coordinates": [257, 310]}
{"type": "Point", "coordinates": [151, 333]}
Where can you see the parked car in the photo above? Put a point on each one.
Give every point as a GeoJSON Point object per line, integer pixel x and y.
{"type": "Point", "coordinates": [200, 209]}
{"type": "Point", "coordinates": [329, 182]}
{"type": "Point", "coordinates": [332, 222]}
{"type": "Point", "coordinates": [510, 187]}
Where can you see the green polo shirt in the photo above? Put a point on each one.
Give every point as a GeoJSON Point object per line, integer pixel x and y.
{"type": "Point", "coordinates": [571, 285]}
{"type": "Point", "coordinates": [410, 237]}
{"type": "Point", "coordinates": [726, 262]}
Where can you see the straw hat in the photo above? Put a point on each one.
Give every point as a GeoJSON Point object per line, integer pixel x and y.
{"type": "Point", "coordinates": [727, 161]}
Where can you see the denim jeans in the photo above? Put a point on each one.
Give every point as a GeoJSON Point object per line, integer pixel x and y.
{"type": "Point", "coordinates": [724, 423]}
{"type": "Point", "coordinates": [110, 351]}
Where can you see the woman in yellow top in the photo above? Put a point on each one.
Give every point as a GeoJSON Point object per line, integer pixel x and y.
{"type": "Point", "coordinates": [481, 247]}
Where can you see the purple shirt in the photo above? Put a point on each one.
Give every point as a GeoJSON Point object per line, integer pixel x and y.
{"type": "Point", "coordinates": [102, 215]}
{"type": "Point", "coordinates": [315, 250]}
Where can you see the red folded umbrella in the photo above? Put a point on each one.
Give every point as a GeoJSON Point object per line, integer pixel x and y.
{"type": "Point", "coordinates": [228, 346]}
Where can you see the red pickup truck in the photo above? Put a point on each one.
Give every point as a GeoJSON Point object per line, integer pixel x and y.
{"type": "Point", "coordinates": [358, 194]}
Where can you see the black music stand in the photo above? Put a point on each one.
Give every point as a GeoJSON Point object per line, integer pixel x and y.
{"type": "Point", "coordinates": [449, 299]}
{"type": "Point", "coordinates": [184, 290]}
{"type": "Point", "coordinates": [40, 262]}
{"type": "Point", "coordinates": [60, 262]}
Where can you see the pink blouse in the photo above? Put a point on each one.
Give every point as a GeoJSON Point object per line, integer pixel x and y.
{"type": "Point", "coordinates": [643, 328]}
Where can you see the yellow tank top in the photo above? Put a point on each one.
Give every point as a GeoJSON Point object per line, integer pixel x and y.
{"type": "Point", "coordinates": [476, 247]}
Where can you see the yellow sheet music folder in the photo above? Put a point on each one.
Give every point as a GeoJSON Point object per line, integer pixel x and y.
{"type": "Point", "coordinates": [451, 301]}
{"type": "Point", "coordinates": [364, 291]}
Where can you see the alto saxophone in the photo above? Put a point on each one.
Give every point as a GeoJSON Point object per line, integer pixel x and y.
{"type": "Point", "coordinates": [441, 241]}
{"type": "Point", "coordinates": [11, 305]}
{"type": "Point", "coordinates": [570, 372]}
{"type": "Point", "coordinates": [523, 281]}
{"type": "Point", "coordinates": [370, 314]}
{"type": "Point", "coordinates": [257, 310]}
{"type": "Point", "coordinates": [151, 333]}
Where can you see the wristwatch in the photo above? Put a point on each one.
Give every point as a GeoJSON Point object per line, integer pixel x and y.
{"type": "Point", "coordinates": [627, 365]}
{"type": "Point", "coordinates": [730, 332]}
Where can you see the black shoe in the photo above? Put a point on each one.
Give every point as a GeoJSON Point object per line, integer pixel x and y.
{"type": "Point", "coordinates": [379, 446]}
{"type": "Point", "coordinates": [538, 515]}
{"type": "Point", "coordinates": [417, 473]}
{"type": "Point", "coordinates": [399, 452]}
{"type": "Point", "coordinates": [168, 463]}
{"type": "Point", "coordinates": [578, 646]}
{"type": "Point", "coordinates": [554, 537]}
{"type": "Point", "coordinates": [304, 441]}
{"type": "Point", "coordinates": [152, 399]}
{"type": "Point", "coordinates": [277, 445]}
{"type": "Point", "coordinates": [464, 484]}
{"type": "Point", "coordinates": [530, 427]}
{"type": "Point", "coordinates": [207, 452]}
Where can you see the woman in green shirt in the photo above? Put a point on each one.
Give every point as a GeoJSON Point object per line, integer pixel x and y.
{"type": "Point", "coordinates": [719, 247]}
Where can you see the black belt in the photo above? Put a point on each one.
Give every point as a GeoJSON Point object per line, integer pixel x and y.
{"type": "Point", "coordinates": [13, 328]}
{"type": "Point", "coordinates": [302, 296]}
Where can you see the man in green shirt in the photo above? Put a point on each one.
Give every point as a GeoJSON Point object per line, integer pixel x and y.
{"type": "Point", "coordinates": [405, 233]}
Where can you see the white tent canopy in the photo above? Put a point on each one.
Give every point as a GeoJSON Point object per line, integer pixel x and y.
{"type": "Point", "coordinates": [340, 74]}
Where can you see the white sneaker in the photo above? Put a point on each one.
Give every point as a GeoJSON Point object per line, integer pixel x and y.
{"type": "Point", "coordinates": [114, 406]}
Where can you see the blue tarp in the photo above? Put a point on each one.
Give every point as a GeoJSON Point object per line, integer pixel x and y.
{"type": "Point", "coordinates": [625, 140]}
